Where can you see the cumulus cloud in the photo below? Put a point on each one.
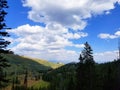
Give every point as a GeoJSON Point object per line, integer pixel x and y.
{"type": "Point", "coordinates": [109, 36]}
{"type": "Point", "coordinates": [40, 42]}
{"type": "Point", "coordinates": [50, 42]}
{"type": "Point", "coordinates": [68, 13]}
{"type": "Point", "coordinates": [45, 42]}
{"type": "Point", "coordinates": [106, 56]}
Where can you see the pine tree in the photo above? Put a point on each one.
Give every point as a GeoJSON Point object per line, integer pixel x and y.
{"type": "Point", "coordinates": [87, 54]}
{"type": "Point", "coordinates": [86, 69]}
{"type": "Point", "coordinates": [26, 79]}
{"type": "Point", "coordinates": [80, 74]}
{"type": "Point", "coordinates": [3, 43]}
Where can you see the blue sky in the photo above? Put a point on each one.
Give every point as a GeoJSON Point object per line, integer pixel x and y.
{"type": "Point", "coordinates": [57, 31]}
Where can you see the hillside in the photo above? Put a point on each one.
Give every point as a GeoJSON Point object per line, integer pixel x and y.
{"type": "Point", "coordinates": [107, 75]}
{"type": "Point", "coordinates": [45, 62]}
{"type": "Point", "coordinates": [36, 68]}
{"type": "Point", "coordinates": [20, 63]}
{"type": "Point", "coordinates": [64, 76]}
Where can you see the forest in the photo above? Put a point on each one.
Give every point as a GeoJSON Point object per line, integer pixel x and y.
{"type": "Point", "coordinates": [21, 73]}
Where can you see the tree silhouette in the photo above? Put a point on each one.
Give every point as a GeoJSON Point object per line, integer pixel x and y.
{"type": "Point", "coordinates": [86, 69]}
{"type": "Point", "coordinates": [3, 43]}
{"type": "Point", "coordinates": [26, 79]}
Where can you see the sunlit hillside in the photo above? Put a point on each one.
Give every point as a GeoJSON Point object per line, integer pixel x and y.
{"type": "Point", "coordinates": [20, 62]}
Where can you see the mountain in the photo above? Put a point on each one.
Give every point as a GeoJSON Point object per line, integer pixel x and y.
{"type": "Point", "coordinates": [20, 63]}
{"type": "Point", "coordinates": [106, 77]}
{"type": "Point", "coordinates": [45, 62]}
{"type": "Point", "coordinates": [64, 71]}
{"type": "Point", "coordinates": [62, 77]}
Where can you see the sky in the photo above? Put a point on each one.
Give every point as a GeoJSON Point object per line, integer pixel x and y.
{"type": "Point", "coordinates": [56, 30]}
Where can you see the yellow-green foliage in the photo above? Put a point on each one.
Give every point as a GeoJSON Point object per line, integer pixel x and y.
{"type": "Point", "coordinates": [47, 63]}
{"type": "Point", "coordinates": [33, 63]}
{"type": "Point", "coordinates": [19, 63]}
{"type": "Point", "coordinates": [41, 84]}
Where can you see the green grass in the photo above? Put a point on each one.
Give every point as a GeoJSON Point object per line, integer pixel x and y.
{"type": "Point", "coordinates": [41, 84]}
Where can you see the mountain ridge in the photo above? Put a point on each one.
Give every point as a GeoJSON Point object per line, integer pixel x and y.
{"type": "Point", "coordinates": [20, 63]}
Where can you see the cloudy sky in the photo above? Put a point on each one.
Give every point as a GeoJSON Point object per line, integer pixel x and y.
{"type": "Point", "coordinates": [56, 30]}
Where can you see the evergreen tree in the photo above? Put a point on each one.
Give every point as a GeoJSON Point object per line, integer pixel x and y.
{"type": "Point", "coordinates": [86, 69]}
{"type": "Point", "coordinates": [26, 79]}
{"type": "Point", "coordinates": [80, 74]}
{"type": "Point", "coordinates": [87, 54]}
{"type": "Point", "coordinates": [3, 43]}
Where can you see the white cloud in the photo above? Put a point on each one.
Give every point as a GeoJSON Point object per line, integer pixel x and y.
{"type": "Point", "coordinates": [107, 12]}
{"type": "Point", "coordinates": [109, 36]}
{"type": "Point", "coordinates": [40, 42]}
{"type": "Point", "coordinates": [67, 13]}
{"type": "Point", "coordinates": [117, 33]}
{"type": "Point", "coordinates": [49, 42]}
{"type": "Point", "coordinates": [75, 35]}
{"type": "Point", "coordinates": [106, 56]}
{"type": "Point", "coordinates": [45, 42]}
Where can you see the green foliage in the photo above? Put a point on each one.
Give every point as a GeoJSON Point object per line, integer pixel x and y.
{"type": "Point", "coordinates": [48, 64]}
{"type": "Point", "coordinates": [107, 77]}
{"type": "Point", "coordinates": [3, 43]}
{"type": "Point", "coordinates": [85, 75]}
{"type": "Point", "coordinates": [62, 77]}
{"type": "Point", "coordinates": [86, 70]}
{"type": "Point", "coordinates": [18, 68]}
{"type": "Point", "coordinates": [40, 85]}
{"type": "Point", "coordinates": [20, 64]}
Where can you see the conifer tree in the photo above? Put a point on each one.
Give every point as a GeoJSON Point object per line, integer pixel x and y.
{"type": "Point", "coordinates": [86, 69]}
{"type": "Point", "coordinates": [3, 43]}
{"type": "Point", "coordinates": [26, 79]}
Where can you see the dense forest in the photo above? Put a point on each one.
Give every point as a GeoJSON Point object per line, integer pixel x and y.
{"type": "Point", "coordinates": [85, 75]}
{"type": "Point", "coordinates": [19, 73]}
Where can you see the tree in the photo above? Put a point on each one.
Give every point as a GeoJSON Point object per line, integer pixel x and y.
{"type": "Point", "coordinates": [26, 79]}
{"type": "Point", "coordinates": [3, 43]}
{"type": "Point", "coordinates": [80, 74]}
{"type": "Point", "coordinates": [86, 69]}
